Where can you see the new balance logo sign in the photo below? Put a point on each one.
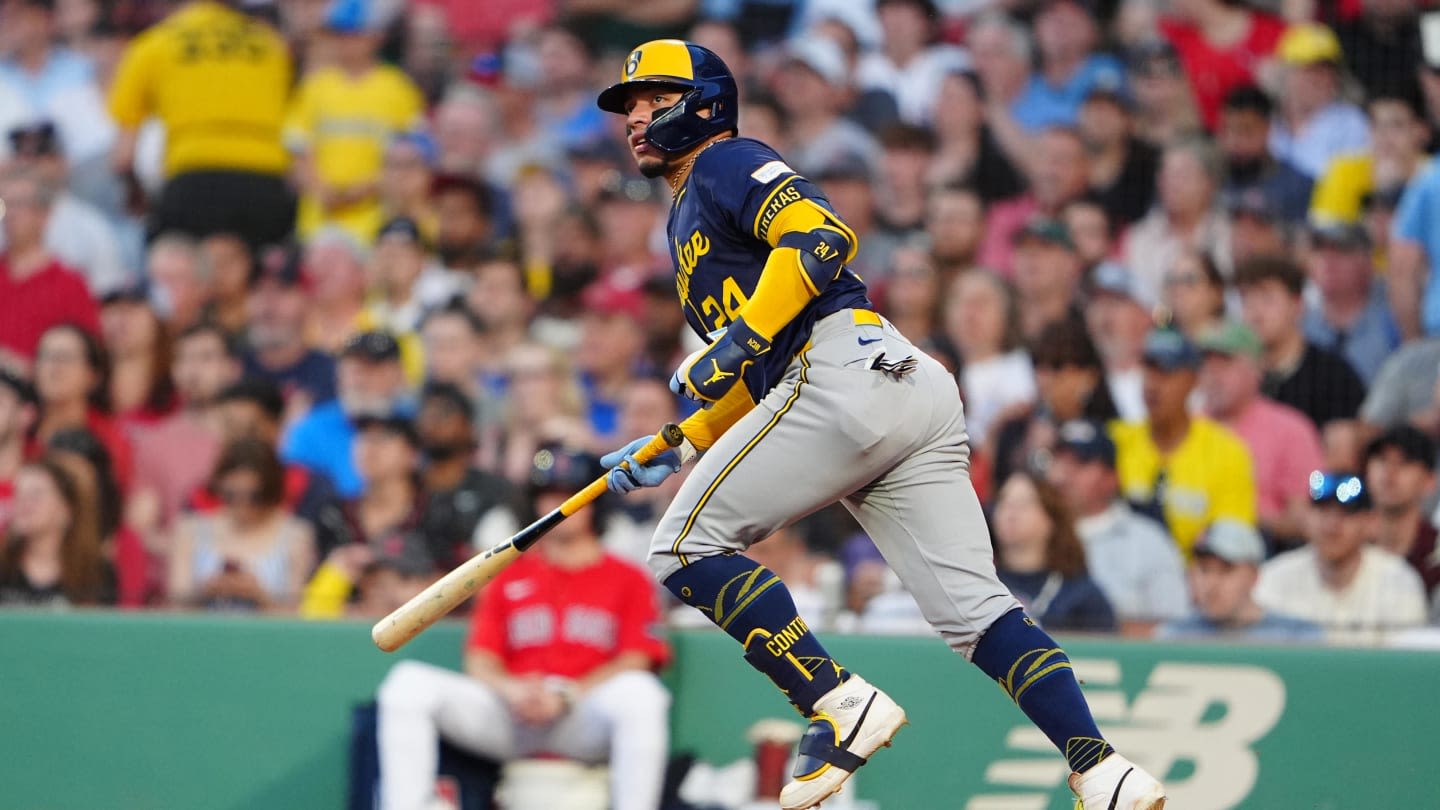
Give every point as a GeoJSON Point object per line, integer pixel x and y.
{"type": "Point", "coordinates": [1207, 718]}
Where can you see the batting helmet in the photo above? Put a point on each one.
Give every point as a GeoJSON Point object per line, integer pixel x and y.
{"type": "Point", "coordinates": [707, 82]}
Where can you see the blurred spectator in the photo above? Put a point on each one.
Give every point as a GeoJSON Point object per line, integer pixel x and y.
{"type": "Point", "coordinates": [72, 383]}
{"type": "Point", "coordinates": [628, 213]}
{"type": "Point", "coordinates": [1399, 466]}
{"type": "Point", "coordinates": [1257, 227]}
{"type": "Point", "coordinates": [955, 224]}
{"type": "Point", "coordinates": [1315, 123]}
{"type": "Point", "coordinates": [1399, 137]}
{"type": "Point", "coordinates": [567, 64]}
{"type": "Point", "coordinates": [18, 412]}
{"type": "Point", "coordinates": [910, 62]}
{"type": "Point", "coordinates": [1186, 216]}
{"type": "Point", "coordinates": [1117, 323]}
{"type": "Point", "coordinates": [230, 262]}
{"type": "Point", "coordinates": [1382, 46]}
{"type": "Point", "coordinates": [544, 404]}
{"type": "Point", "coordinates": [1185, 470]}
{"type": "Point", "coordinates": [1003, 55]}
{"type": "Point", "coordinates": [334, 272]}
{"type": "Point", "coordinates": [560, 658]}
{"type": "Point", "coordinates": [465, 128]}
{"type": "Point", "coordinates": [1040, 559]}
{"type": "Point", "coordinates": [911, 295]}
{"type": "Point", "coordinates": [407, 176]}
{"type": "Point", "coordinates": [1352, 316]}
{"type": "Point", "coordinates": [1060, 175]}
{"type": "Point", "coordinates": [464, 212]}
{"type": "Point", "coordinates": [139, 349]}
{"type": "Point", "coordinates": [981, 321]}
{"type": "Point", "coordinates": [1404, 391]}
{"type": "Point", "coordinates": [1244, 140]}
{"type": "Point", "coordinates": [1413, 276]}
{"type": "Point", "coordinates": [499, 298]}
{"type": "Point", "coordinates": [404, 283]}
{"type": "Point", "coordinates": [1046, 273]}
{"type": "Point", "coordinates": [251, 554]}
{"type": "Point", "coordinates": [455, 353]}
{"type": "Point", "coordinates": [812, 88]}
{"type": "Point", "coordinates": [55, 82]}
{"type": "Point", "coordinates": [1069, 67]}
{"type": "Point", "coordinates": [80, 454]}
{"type": "Point", "coordinates": [1222, 44]}
{"type": "Point", "coordinates": [630, 526]}
{"type": "Point", "coordinates": [77, 233]}
{"type": "Point", "coordinates": [519, 139]}
{"type": "Point", "coordinates": [1122, 167]}
{"type": "Point", "coordinates": [175, 455]}
{"type": "Point", "coordinates": [37, 291]}
{"type": "Point", "coordinates": [51, 555]}
{"type": "Point", "coordinates": [1222, 579]}
{"type": "Point", "coordinates": [1091, 230]}
{"type": "Point", "coordinates": [1071, 383]}
{"type": "Point", "coordinates": [340, 120]}
{"type": "Point", "coordinates": [359, 581]}
{"type": "Point", "coordinates": [612, 346]}
{"type": "Point", "coordinates": [179, 281]}
{"type": "Point", "coordinates": [967, 152]}
{"type": "Point", "coordinates": [276, 335]}
{"type": "Point", "coordinates": [1194, 294]}
{"type": "Point", "coordinates": [225, 163]}
{"type": "Point", "coordinates": [1130, 557]}
{"type": "Point", "coordinates": [368, 380]}
{"type": "Point", "coordinates": [1377, 215]}
{"type": "Point", "coordinates": [1353, 589]}
{"type": "Point", "coordinates": [667, 335]}
{"type": "Point", "coordinates": [1298, 373]}
{"type": "Point", "coordinates": [904, 182]}
{"type": "Point", "coordinates": [386, 454]}
{"type": "Point", "coordinates": [1283, 444]}
{"type": "Point", "coordinates": [1165, 108]}
{"type": "Point", "coordinates": [816, 576]}
{"type": "Point", "coordinates": [466, 509]}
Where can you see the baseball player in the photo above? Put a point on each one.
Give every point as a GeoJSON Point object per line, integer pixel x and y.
{"type": "Point", "coordinates": [811, 397]}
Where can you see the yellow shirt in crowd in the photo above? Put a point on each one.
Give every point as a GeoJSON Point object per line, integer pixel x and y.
{"type": "Point", "coordinates": [218, 79]}
{"type": "Point", "coordinates": [1209, 476]}
{"type": "Point", "coordinates": [344, 123]}
{"type": "Point", "coordinates": [1342, 188]}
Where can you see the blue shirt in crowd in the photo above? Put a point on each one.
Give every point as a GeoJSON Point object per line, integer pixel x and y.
{"type": "Point", "coordinates": [1366, 343]}
{"type": "Point", "coordinates": [1417, 219]}
{"type": "Point", "coordinates": [322, 441]}
{"type": "Point", "coordinates": [1044, 105]}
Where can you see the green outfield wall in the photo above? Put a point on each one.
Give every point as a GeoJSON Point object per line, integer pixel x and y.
{"type": "Point", "coordinates": [117, 711]}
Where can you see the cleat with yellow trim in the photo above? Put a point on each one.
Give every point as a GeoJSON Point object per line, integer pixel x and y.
{"type": "Point", "coordinates": [851, 722]}
{"type": "Point", "coordinates": [1117, 784]}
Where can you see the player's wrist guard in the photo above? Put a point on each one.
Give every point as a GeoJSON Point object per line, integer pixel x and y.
{"type": "Point", "coordinates": [728, 361]}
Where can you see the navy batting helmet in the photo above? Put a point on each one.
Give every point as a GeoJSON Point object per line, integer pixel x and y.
{"type": "Point", "coordinates": [707, 84]}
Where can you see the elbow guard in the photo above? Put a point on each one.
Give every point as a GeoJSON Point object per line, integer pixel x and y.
{"type": "Point", "coordinates": [822, 255]}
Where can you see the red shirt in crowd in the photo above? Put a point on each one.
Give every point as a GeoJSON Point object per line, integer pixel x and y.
{"type": "Point", "coordinates": [52, 296]}
{"type": "Point", "coordinates": [539, 619]}
{"type": "Point", "coordinates": [1213, 71]}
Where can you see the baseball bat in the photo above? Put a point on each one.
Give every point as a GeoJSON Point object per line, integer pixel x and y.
{"type": "Point", "coordinates": [446, 593]}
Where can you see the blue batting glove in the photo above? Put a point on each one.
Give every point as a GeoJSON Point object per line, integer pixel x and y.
{"type": "Point", "coordinates": [635, 475]}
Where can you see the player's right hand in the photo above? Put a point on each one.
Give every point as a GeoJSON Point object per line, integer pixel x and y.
{"type": "Point", "coordinates": [635, 475]}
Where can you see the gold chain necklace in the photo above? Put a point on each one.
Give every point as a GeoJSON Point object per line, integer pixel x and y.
{"type": "Point", "coordinates": [684, 172]}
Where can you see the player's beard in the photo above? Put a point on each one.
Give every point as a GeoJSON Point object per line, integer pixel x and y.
{"type": "Point", "coordinates": [652, 166]}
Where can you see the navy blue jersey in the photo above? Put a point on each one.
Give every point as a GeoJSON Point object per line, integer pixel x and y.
{"type": "Point", "coordinates": [718, 233]}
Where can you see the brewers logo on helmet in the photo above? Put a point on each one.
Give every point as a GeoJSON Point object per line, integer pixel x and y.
{"type": "Point", "coordinates": [672, 64]}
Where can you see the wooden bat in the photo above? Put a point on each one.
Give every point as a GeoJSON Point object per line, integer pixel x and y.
{"type": "Point", "coordinates": [446, 593]}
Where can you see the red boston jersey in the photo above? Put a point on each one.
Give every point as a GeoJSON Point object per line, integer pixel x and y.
{"type": "Point", "coordinates": [541, 619]}
{"type": "Point", "coordinates": [1214, 72]}
{"type": "Point", "coordinates": [52, 296]}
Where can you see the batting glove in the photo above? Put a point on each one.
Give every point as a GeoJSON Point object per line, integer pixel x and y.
{"type": "Point", "coordinates": [635, 475]}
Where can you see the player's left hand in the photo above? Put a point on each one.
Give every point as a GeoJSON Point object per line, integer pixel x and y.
{"type": "Point", "coordinates": [635, 475]}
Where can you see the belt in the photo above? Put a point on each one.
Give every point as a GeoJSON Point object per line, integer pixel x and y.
{"type": "Point", "coordinates": [867, 317]}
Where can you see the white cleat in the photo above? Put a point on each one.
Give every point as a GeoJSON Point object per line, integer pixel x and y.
{"type": "Point", "coordinates": [1117, 784]}
{"type": "Point", "coordinates": [851, 722]}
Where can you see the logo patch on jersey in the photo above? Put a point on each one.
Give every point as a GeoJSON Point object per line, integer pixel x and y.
{"type": "Point", "coordinates": [782, 198]}
{"type": "Point", "coordinates": [770, 171]}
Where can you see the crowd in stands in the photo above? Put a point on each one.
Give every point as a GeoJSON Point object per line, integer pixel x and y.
{"type": "Point", "coordinates": [293, 292]}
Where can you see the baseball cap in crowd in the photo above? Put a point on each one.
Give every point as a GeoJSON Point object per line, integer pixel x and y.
{"type": "Point", "coordinates": [277, 263]}
{"type": "Point", "coordinates": [1413, 444]}
{"type": "Point", "coordinates": [1344, 489]}
{"type": "Point", "coordinates": [374, 346]}
{"type": "Point", "coordinates": [36, 139]}
{"type": "Point", "coordinates": [131, 292]}
{"type": "Point", "coordinates": [403, 552]}
{"type": "Point", "coordinates": [397, 422]}
{"type": "Point", "coordinates": [1111, 278]}
{"type": "Point", "coordinates": [347, 16]}
{"type": "Point", "coordinates": [1230, 339]}
{"type": "Point", "coordinates": [1253, 203]}
{"type": "Point", "coordinates": [1087, 441]}
{"type": "Point", "coordinates": [1044, 229]}
{"type": "Point", "coordinates": [21, 386]}
{"type": "Point", "coordinates": [1308, 43]}
{"type": "Point", "coordinates": [1232, 541]}
{"type": "Point", "coordinates": [422, 142]}
{"type": "Point", "coordinates": [400, 227]}
{"type": "Point", "coordinates": [819, 54]}
{"type": "Point", "coordinates": [1168, 350]}
{"type": "Point", "coordinates": [1153, 57]}
{"type": "Point", "coordinates": [1110, 86]}
{"type": "Point", "coordinates": [615, 296]}
{"type": "Point", "coordinates": [1349, 236]}
{"type": "Point", "coordinates": [448, 393]}
{"type": "Point", "coordinates": [556, 468]}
